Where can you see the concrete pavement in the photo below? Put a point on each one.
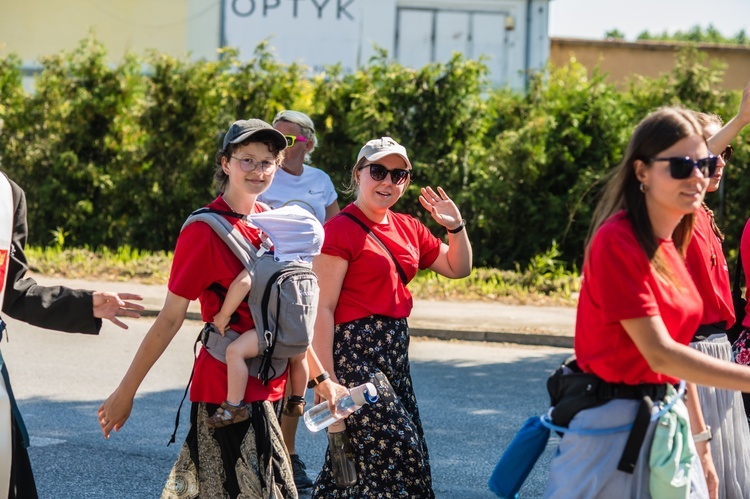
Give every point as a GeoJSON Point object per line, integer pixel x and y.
{"type": "Point", "coordinates": [460, 320]}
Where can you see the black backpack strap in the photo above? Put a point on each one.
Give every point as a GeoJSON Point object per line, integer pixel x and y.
{"type": "Point", "coordinates": [199, 339]}
{"type": "Point", "coordinates": [266, 368]}
{"type": "Point", "coordinates": [375, 238]}
{"type": "Point", "coordinates": [637, 435]}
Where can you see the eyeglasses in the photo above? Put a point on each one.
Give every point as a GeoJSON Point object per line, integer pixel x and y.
{"type": "Point", "coordinates": [682, 167]}
{"type": "Point", "coordinates": [291, 139]}
{"type": "Point", "coordinates": [249, 164]}
{"type": "Point", "coordinates": [726, 154]}
{"type": "Point", "coordinates": [378, 172]}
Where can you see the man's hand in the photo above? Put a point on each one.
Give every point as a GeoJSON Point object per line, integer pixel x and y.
{"type": "Point", "coordinates": [112, 305]}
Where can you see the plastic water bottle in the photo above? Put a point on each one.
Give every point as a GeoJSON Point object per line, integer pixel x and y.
{"type": "Point", "coordinates": [320, 416]}
{"type": "Point", "coordinates": [342, 455]}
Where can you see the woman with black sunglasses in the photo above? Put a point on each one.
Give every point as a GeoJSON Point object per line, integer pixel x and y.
{"type": "Point", "coordinates": [369, 255]}
{"type": "Point", "coordinates": [637, 312]}
{"type": "Point", "coordinates": [722, 411]}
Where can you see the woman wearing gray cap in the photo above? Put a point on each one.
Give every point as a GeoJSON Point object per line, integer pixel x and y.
{"type": "Point", "coordinates": [361, 335]}
{"type": "Point", "coordinates": [238, 459]}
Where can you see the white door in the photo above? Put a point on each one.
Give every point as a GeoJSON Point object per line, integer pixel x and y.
{"type": "Point", "coordinates": [489, 38]}
{"type": "Point", "coordinates": [431, 35]}
{"type": "Point", "coordinates": [414, 44]}
{"type": "Point", "coordinates": [452, 33]}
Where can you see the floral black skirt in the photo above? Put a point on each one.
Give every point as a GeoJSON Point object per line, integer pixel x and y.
{"type": "Point", "coordinates": [242, 460]}
{"type": "Point", "coordinates": [389, 446]}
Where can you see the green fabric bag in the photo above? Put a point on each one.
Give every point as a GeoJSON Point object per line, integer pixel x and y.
{"type": "Point", "coordinates": [672, 453]}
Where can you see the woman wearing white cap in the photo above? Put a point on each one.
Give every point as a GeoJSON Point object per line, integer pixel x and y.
{"type": "Point", "coordinates": [369, 255]}
{"type": "Point", "coordinates": [246, 459]}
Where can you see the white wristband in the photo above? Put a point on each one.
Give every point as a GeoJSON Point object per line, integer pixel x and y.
{"type": "Point", "coordinates": [704, 436]}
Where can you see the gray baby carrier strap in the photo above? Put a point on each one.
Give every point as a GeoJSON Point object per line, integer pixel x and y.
{"type": "Point", "coordinates": [283, 301]}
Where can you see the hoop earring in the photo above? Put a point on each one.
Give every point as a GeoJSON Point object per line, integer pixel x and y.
{"type": "Point", "coordinates": [643, 188]}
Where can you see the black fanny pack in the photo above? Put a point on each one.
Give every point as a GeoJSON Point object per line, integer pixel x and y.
{"type": "Point", "coordinates": [572, 390]}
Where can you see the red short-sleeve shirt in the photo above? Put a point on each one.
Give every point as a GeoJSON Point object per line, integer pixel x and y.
{"type": "Point", "coordinates": [707, 265]}
{"type": "Point", "coordinates": [201, 258]}
{"type": "Point", "coordinates": [372, 285]}
{"type": "Point", "coordinates": [619, 283]}
{"type": "Point", "coordinates": [745, 254]}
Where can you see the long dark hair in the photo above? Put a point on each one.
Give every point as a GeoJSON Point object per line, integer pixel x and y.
{"type": "Point", "coordinates": [656, 132]}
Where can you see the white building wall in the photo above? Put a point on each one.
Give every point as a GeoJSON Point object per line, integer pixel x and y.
{"type": "Point", "coordinates": [416, 32]}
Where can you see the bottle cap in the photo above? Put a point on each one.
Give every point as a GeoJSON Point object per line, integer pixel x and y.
{"type": "Point", "coordinates": [365, 393]}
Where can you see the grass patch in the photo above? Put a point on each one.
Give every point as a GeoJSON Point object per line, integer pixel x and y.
{"type": "Point", "coordinates": [543, 282]}
{"type": "Point", "coordinates": [123, 264]}
{"type": "Point", "coordinates": [504, 286]}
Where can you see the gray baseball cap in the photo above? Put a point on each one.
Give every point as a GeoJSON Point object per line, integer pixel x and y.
{"type": "Point", "coordinates": [243, 129]}
{"type": "Point", "coordinates": [380, 148]}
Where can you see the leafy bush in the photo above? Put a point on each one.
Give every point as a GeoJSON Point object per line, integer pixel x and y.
{"type": "Point", "coordinates": [116, 156]}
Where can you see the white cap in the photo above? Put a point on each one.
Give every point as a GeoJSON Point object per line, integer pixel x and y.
{"type": "Point", "coordinates": [365, 393]}
{"type": "Point", "coordinates": [380, 148]}
{"type": "Point", "coordinates": [297, 235]}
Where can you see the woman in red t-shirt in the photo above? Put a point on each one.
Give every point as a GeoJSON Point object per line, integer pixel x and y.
{"type": "Point", "coordinates": [361, 334]}
{"type": "Point", "coordinates": [723, 410]}
{"type": "Point", "coordinates": [245, 168]}
{"type": "Point", "coordinates": [637, 312]}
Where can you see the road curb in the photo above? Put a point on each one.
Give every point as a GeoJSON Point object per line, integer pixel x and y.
{"type": "Point", "coordinates": [539, 339]}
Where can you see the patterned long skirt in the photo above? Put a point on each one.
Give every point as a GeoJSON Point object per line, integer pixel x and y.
{"type": "Point", "coordinates": [245, 460]}
{"type": "Point", "coordinates": [389, 446]}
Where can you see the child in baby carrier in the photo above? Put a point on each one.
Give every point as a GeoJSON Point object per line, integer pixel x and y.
{"type": "Point", "coordinates": [233, 409]}
{"type": "Point", "coordinates": [291, 244]}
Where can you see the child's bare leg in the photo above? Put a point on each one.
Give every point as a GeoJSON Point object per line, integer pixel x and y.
{"type": "Point", "coordinates": [298, 374]}
{"type": "Point", "coordinates": [244, 347]}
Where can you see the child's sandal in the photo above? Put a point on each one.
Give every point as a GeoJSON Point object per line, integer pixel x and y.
{"type": "Point", "coordinates": [227, 414]}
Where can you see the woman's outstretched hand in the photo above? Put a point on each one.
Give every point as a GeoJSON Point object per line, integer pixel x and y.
{"type": "Point", "coordinates": [441, 207]}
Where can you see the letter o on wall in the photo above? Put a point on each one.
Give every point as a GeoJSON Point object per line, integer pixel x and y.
{"type": "Point", "coordinates": [240, 3]}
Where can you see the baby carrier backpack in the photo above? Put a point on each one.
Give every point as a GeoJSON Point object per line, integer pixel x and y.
{"type": "Point", "coordinates": [283, 297]}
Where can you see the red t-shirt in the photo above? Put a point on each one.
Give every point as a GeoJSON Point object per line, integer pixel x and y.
{"type": "Point", "coordinates": [620, 283]}
{"type": "Point", "coordinates": [372, 285]}
{"type": "Point", "coordinates": [745, 253]}
{"type": "Point", "coordinates": [707, 265]}
{"type": "Point", "coordinates": [201, 258]}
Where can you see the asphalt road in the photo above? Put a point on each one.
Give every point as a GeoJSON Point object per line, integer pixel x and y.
{"type": "Point", "coordinates": [473, 397]}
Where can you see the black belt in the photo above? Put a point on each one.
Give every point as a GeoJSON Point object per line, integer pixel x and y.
{"type": "Point", "coordinates": [633, 392]}
{"type": "Point", "coordinates": [706, 330]}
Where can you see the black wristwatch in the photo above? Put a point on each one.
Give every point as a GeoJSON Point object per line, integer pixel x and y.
{"type": "Point", "coordinates": [318, 379]}
{"type": "Point", "coordinates": [459, 228]}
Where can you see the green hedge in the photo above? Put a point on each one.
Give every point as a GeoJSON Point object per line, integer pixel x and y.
{"type": "Point", "coordinates": [119, 155]}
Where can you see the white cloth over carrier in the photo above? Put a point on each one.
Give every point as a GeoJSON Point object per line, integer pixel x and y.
{"type": "Point", "coordinates": [283, 298]}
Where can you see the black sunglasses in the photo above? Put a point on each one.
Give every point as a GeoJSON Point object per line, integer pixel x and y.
{"type": "Point", "coordinates": [726, 154]}
{"type": "Point", "coordinates": [682, 167]}
{"type": "Point", "coordinates": [378, 172]}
